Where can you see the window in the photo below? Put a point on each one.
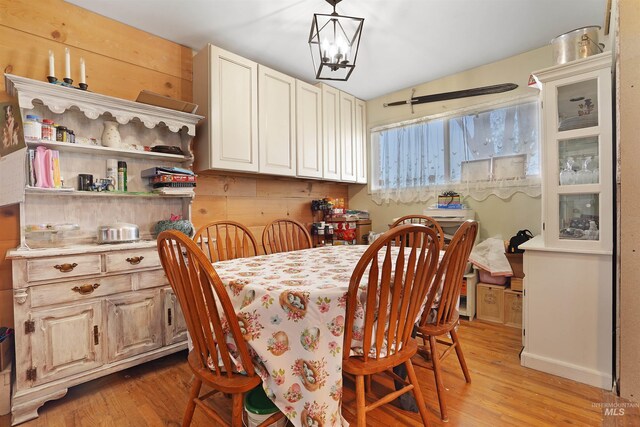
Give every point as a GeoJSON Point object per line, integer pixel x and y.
{"type": "Point", "coordinates": [492, 151]}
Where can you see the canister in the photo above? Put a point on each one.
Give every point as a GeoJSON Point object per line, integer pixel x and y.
{"type": "Point", "coordinates": [32, 127]}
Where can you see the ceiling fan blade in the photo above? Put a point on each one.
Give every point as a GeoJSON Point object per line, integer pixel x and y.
{"type": "Point", "coordinates": [465, 93]}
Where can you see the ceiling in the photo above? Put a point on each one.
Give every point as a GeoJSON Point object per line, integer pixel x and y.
{"type": "Point", "coordinates": [404, 42]}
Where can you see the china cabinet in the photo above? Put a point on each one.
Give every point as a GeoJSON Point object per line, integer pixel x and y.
{"type": "Point", "coordinates": [84, 310]}
{"type": "Point", "coordinates": [568, 269]}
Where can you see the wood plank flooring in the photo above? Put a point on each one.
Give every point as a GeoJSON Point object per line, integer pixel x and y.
{"type": "Point", "coordinates": [502, 393]}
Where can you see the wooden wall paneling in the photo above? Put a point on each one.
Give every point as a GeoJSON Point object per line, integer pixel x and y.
{"type": "Point", "coordinates": [6, 308]}
{"type": "Point", "coordinates": [208, 208]}
{"type": "Point", "coordinates": [62, 22]}
{"type": "Point", "coordinates": [306, 189]}
{"type": "Point", "coordinates": [256, 211]}
{"type": "Point", "coordinates": [27, 55]}
{"type": "Point", "coordinates": [222, 185]}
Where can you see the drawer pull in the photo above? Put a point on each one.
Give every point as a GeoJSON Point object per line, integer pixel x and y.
{"type": "Point", "coordinates": [135, 260]}
{"type": "Point", "coordinates": [65, 268]}
{"type": "Point", "coordinates": [85, 289]}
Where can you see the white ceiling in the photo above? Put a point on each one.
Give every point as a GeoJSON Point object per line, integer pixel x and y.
{"type": "Point", "coordinates": [404, 42]}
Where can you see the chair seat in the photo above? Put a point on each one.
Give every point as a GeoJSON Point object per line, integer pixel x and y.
{"type": "Point", "coordinates": [235, 383]}
{"type": "Point", "coordinates": [430, 329]}
{"type": "Point", "coordinates": [357, 366]}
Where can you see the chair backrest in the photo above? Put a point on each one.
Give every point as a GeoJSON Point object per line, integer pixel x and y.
{"type": "Point", "coordinates": [398, 280]}
{"type": "Point", "coordinates": [284, 235]}
{"type": "Point", "coordinates": [448, 279]}
{"type": "Point", "coordinates": [424, 220]}
{"type": "Point", "coordinates": [208, 312]}
{"type": "Point", "coordinates": [224, 240]}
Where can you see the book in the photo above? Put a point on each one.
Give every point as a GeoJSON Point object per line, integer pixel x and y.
{"type": "Point", "coordinates": [174, 184]}
{"type": "Point", "coordinates": [174, 191]}
{"type": "Point", "coordinates": [161, 170]}
{"type": "Point", "coordinates": [172, 178]}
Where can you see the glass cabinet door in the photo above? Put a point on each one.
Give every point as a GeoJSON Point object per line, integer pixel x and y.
{"type": "Point", "coordinates": [579, 161]}
{"type": "Point", "coordinates": [579, 216]}
{"type": "Point", "coordinates": [578, 105]}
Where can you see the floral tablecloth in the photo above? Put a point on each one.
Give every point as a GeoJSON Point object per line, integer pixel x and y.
{"type": "Point", "coordinates": [291, 308]}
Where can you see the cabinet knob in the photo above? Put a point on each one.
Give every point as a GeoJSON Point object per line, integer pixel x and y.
{"type": "Point", "coordinates": [135, 260]}
{"type": "Point", "coordinates": [85, 289]}
{"type": "Point", "coordinates": [65, 268]}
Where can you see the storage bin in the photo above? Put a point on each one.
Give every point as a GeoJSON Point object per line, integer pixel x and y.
{"type": "Point", "coordinates": [513, 308]}
{"type": "Point", "coordinates": [259, 407]}
{"type": "Point", "coordinates": [490, 302]}
{"type": "Point", "coordinates": [486, 277]}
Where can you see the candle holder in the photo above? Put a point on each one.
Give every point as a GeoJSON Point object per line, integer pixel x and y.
{"type": "Point", "coordinates": [83, 86]}
{"type": "Point", "coordinates": [52, 79]}
{"type": "Point", "coordinates": [68, 82]}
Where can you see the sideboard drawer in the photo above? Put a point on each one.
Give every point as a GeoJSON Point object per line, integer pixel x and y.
{"type": "Point", "coordinates": [78, 290]}
{"type": "Point", "coordinates": [62, 266]}
{"type": "Point", "coordinates": [152, 279]}
{"type": "Point", "coordinates": [132, 260]}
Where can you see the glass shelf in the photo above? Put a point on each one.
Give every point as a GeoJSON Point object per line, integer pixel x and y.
{"type": "Point", "coordinates": [579, 216]}
{"type": "Point", "coordinates": [579, 161]}
{"type": "Point", "coordinates": [105, 151]}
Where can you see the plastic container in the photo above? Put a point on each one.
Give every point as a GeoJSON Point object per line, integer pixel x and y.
{"type": "Point", "coordinates": [259, 407]}
{"type": "Point", "coordinates": [32, 127]}
{"type": "Point", "coordinates": [48, 130]}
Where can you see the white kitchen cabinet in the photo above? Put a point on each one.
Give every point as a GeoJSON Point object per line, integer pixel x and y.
{"type": "Point", "coordinates": [568, 297]}
{"type": "Point", "coordinates": [360, 141]}
{"type": "Point", "coordinates": [225, 86]}
{"type": "Point", "coordinates": [309, 130]}
{"type": "Point", "coordinates": [83, 310]}
{"type": "Point", "coordinates": [331, 132]}
{"type": "Point", "coordinates": [276, 122]}
{"type": "Point", "coordinates": [347, 137]}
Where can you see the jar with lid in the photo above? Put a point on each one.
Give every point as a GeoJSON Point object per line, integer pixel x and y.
{"type": "Point", "coordinates": [32, 127]}
{"type": "Point", "coordinates": [61, 133]}
{"type": "Point", "coordinates": [71, 136]}
{"type": "Point", "coordinates": [48, 130]}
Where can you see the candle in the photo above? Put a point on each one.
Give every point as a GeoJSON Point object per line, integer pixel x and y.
{"type": "Point", "coordinates": [52, 71]}
{"type": "Point", "coordinates": [67, 63]}
{"type": "Point", "coordinates": [82, 71]}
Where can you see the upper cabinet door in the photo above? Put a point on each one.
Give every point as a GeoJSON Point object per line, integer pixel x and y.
{"type": "Point", "coordinates": [276, 118]}
{"type": "Point", "coordinates": [331, 132]}
{"type": "Point", "coordinates": [225, 86]}
{"type": "Point", "coordinates": [309, 129]}
{"type": "Point", "coordinates": [347, 140]}
{"type": "Point", "coordinates": [360, 139]}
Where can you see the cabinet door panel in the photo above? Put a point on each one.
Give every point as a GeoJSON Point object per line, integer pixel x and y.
{"type": "Point", "coordinates": [276, 118]}
{"type": "Point", "coordinates": [360, 140]}
{"type": "Point", "coordinates": [309, 129]}
{"type": "Point", "coordinates": [347, 143]}
{"type": "Point", "coordinates": [66, 341]}
{"type": "Point", "coordinates": [134, 324]}
{"type": "Point", "coordinates": [331, 132]}
{"type": "Point", "coordinates": [175, 327]}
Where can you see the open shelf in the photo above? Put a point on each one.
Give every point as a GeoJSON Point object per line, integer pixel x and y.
{"type": "Point", "coordinates": [105, 151]}
{"type": "Point", "coordinates": [70, 192]}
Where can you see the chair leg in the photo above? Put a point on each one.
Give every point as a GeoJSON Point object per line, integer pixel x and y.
{"type": "Point", "coordinates": [463, 363]}
{"type": "Point", "coordinates": [367, 384]}
{"type": "Point", "coordinates": [361, 410]}
{"type": "Point", "coordinates": [191, 406]}
{"type": "Point", "coordinates": [411, 373]}
{"type": "Point", "coordinates": [236, 410]}
{"type": "Point", "coordinates": [435, 358]}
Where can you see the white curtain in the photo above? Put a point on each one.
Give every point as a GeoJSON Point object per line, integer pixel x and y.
{"type": "Point", "coordinates": [494, 151]}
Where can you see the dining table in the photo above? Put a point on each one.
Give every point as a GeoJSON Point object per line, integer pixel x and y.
{"type": "Point", "coordinates": [291, 310]}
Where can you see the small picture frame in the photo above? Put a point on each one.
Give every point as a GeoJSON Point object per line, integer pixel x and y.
{"type": "Point", "coordinates": [11, 135]}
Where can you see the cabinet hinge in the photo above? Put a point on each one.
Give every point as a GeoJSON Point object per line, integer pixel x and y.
{"type": "Point", "coordinates": [169, 316]}
{"type": "Point", "coordinates": [32, 374]}
{"type": "Point", "coordinates": [543, 225]}
{"type": "Point", "coordinates": [524, 332]}
{"type": "Point", "coordinates": [29, 326]}
{"type": "Point", "coordinates": [96, 335]}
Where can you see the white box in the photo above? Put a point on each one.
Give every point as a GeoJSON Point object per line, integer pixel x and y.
{"type": "Point", "coordinates": [5, 391]}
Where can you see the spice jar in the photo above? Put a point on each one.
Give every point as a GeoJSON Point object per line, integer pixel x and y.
{"type": "Point", "coordinates": [32, 127]}
{"type": "Point", "coordinates": [61, 133]}
{"type": "Point", "coordinates": [48, 130]}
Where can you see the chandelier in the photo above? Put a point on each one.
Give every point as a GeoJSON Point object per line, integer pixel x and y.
{"type": "Point", "coordinates": [334, 42]}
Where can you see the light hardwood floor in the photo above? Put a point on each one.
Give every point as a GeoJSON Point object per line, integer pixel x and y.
{"type": "Point", "coordinates": [502, 393]}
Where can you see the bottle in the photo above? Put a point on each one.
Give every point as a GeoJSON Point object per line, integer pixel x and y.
{"type": "Point", "coordinates": [61, 133]}
{"type": "Point", "coordinates": [32, 127]}
{"type": "Point", "coordinates": [122, 176]}
{"type": "Point", "coordinates": [112, 172]}
{"type": "Point", "coordinates": [48, 130]}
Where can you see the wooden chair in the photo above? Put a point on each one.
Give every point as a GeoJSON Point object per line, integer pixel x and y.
{"type": "Point", "coordinates": [424, 220]}
{"type": "Point", "coordinates": [204, 302]}
{"type": "Point", "coordinates": [224, 240]}
{"type": "Point", "coordinates": [284, 235]}
{"type": "Point", "coordinates": [443, 319]}
{"type": "Point", "coordinates": [394, 295]}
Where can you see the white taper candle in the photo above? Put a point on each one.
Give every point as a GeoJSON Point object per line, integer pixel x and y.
{"type": "Point", "coordinates": [67, 63]}
{"type": "Point", "coordinates": [52, 71]}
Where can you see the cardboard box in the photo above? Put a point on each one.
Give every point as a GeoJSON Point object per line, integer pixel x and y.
{"type": "Point", "coordinates": [513, 308]}
{"type": "Point", "coordinates": [490, 303]}
{"type": "Point", "coordinates": [517, 284]}
{"type": "Point", "coordinates": [5, 391]}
